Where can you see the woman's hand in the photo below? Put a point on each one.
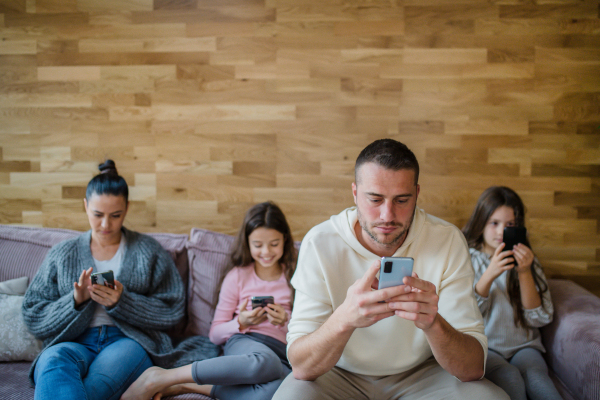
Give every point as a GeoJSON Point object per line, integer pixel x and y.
{"type": "Point", "coordinates": [81, 293]}
{"type": "Point", "coordinates": [276, 314]}
{"type": "Point", "coordinates": [247, 318]}
{"type": "Point", "coordinates": [106, 296]}
{"type": "Point", "coordinates": [524, 258]}
{"type": "Point", "coordinates": [500, 262]}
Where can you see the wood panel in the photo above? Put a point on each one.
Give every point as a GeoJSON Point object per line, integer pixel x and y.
{"type": "Point", "coordinates": [210, 106]}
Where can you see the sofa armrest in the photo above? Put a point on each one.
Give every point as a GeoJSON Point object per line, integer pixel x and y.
{"type": "Point", "coordinates": [572, 340]}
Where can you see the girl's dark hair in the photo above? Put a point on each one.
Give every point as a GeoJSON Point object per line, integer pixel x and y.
{"type": "Point", "coordinates": [108, 181]}
{"type": "Point", "coordinates": [264, 215]}
{"type": "Point", "coordinates": [489, 201]}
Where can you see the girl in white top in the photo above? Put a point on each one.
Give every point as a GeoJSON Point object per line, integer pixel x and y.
{"type": "Point", "coordinates": [513, 297]}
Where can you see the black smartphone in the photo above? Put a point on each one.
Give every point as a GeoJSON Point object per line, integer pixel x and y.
{"type": "Point", "coordinates": [514, 235]}
{"type": "Point", "coordinates": [104, 278]}
{"type": "Point", "coordinates": [261, 301]}
{"type": "Point", "coordinates": [393, 270]}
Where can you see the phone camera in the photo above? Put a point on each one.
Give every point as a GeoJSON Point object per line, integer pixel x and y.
{"type": "Point", "coordinates": [387, 267]}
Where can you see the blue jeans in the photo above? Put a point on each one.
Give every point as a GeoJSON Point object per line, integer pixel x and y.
{"type": "Point", "coordinates": [99, 365]}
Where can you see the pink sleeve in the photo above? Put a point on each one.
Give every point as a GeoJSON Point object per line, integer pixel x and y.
{"type": "Point", "coordinates": [225, 323]}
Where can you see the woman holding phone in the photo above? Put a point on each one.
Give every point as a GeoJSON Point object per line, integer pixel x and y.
{"type": "Point", "coordinates": [513, 297]}
{"type": "Point", "coordinates": [99, 339]}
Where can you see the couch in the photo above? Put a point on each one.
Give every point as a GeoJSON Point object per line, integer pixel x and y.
{"type": "Point", "coordinates": [572, 340]}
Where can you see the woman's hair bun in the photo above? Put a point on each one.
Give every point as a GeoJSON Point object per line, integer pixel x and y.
{"type": "Point", "coordinates": [108, 167]}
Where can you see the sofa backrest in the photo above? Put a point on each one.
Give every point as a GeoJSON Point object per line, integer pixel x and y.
{"type": "Point", "coordinates": [208, 254]}
{"type": "Point", "coordinates": [23, 249]}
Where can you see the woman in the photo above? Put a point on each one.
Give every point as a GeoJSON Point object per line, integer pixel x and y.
{"type": "Point", "coordinates": [99, 339]}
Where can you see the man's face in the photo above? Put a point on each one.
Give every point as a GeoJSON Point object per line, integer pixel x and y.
{"type": "Point", "coordinates": [386, 201]}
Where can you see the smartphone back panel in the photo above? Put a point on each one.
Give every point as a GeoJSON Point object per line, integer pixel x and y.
{"type": "Point", "coordinates": [393, 270]}
{"type": "Point", "coordinates": [514, 235]}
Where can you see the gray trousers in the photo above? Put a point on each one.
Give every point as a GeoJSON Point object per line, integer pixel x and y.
{"type": "Point", "coordinates": [524, 376]}
{"type": "Point", "coordinates": [426, 381]}
{"type": "Point", "coordinates": [252, 368]}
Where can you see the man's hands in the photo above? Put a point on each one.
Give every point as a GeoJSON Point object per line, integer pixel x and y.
{"type": "Point", "coordinates": [275, 313]}
{"type": "Point", "coordinates": [83, 290]}
{"type": "Point", "coordinates": [415, 301]}
{"type": "Point", "coordinates": [419, 305]}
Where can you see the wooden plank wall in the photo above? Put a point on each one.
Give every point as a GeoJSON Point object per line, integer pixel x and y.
{"type": "Point", "coordinates": [209, 106]}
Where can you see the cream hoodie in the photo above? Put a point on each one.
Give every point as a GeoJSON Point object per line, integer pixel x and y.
{"type": "Point", "coordinates": [331, 259]}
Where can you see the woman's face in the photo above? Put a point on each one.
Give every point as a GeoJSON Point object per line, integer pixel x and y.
{"type": "Point", "coordinates": [493, 232]}
{"type": "Point", "coordinates": [106, 214]}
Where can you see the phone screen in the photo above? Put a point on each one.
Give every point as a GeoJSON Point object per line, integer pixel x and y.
{"type": "Point", "coordinates": [104, 278]}
{"type": "Point", "coordinates": [393, 270]}
{"type": "Point", "coordinates": [262, 301]}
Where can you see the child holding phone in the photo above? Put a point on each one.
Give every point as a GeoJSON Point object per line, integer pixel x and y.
{"type": "Point", "coordinates": [513, 297]}
{"type": "Point", "coordinates": [254, 362]}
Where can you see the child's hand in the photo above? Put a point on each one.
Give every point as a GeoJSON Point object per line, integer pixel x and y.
{"type": "Point", "coordinates": [276, 314]}
{"type": "Point", "coordinates": [524, 257]}
{"type": "Point", "coordinates": [501, 261]}
{"type": "Point", "coordinates": [247, 318]}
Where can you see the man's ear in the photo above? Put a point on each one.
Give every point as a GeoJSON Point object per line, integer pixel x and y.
{"type": "Point", "coordinates": [418, 190]}
{"type": "Point", "coordinates": [354, 192]}
{"type": "Point", "coordinates": [85, 204]}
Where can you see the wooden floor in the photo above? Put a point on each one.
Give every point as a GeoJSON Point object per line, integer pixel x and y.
{"type": "Point", "coordinates": [210, 106]}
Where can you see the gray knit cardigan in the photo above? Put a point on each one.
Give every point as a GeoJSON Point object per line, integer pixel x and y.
{"type": "Point", "coordinates": [153, 300]}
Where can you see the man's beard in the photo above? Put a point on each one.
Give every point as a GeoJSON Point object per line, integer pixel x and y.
{"type": "Point", "coordinates": [394, 241]}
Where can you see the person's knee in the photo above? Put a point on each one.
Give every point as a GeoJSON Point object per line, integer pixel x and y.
{"type": "Point", "coordinates": [265, 366]}
{"type": "Point", "coordinates": [59, 352]}
{"type": "Point", "coordinates": [483, 389]}
{"type": "Point", "coordinates": [61, 356]}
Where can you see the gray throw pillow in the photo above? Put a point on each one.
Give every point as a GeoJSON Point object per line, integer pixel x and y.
{"type": "Point", "coordinates": [16, 343]}
{"type": "Point", "coordinates": [16, 287]}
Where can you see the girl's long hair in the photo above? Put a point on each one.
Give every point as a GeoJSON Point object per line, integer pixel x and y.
{"type": "Point", "coordinates": [264, 215]}
{"type": "Point", "coordinates": [489, 201]}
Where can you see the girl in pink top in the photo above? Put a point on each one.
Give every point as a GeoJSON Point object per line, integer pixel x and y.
{"type": "Point", "coordinates": [254, 361]}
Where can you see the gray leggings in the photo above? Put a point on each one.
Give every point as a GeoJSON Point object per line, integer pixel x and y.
{"type": "Point", "coordinates": [252, 368]}
{"type": "Point", "coordinates": [524, 376]}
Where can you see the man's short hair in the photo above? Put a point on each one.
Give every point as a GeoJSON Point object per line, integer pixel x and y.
{"type": "Point", "coordinates": [389, 154]}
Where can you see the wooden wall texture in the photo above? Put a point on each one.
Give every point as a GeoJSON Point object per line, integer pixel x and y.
{"type": "Point", "coordinates": [209, 106]}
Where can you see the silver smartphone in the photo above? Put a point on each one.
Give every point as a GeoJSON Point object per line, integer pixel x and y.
{"type": "Point", "coordinates": [104, 278]}
{"type": "Point", "coordinates": [393, 270]}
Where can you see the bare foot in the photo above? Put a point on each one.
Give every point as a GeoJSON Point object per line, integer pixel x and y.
{"type": "Point", "coordinates": [145, 386]}
{"type": "Point", "coordinates": [183, 388]}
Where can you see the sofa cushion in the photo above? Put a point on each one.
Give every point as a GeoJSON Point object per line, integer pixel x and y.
{"type": "Point", "coordinates": [14, 384]}
{"type": "Point", "coordinates": [572, 340]}
{"type": "Point", "coordinates": [208, 254]}
{"type": "Point", "coordinates": [23, 249]}
{"type": "Point", "coordinates": [174, 244]}
{"type": "Point", "coordinates": [16, 343]}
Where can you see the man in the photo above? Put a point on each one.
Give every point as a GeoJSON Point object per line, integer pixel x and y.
{"type": "Point", "coordinates": [349, 341]}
